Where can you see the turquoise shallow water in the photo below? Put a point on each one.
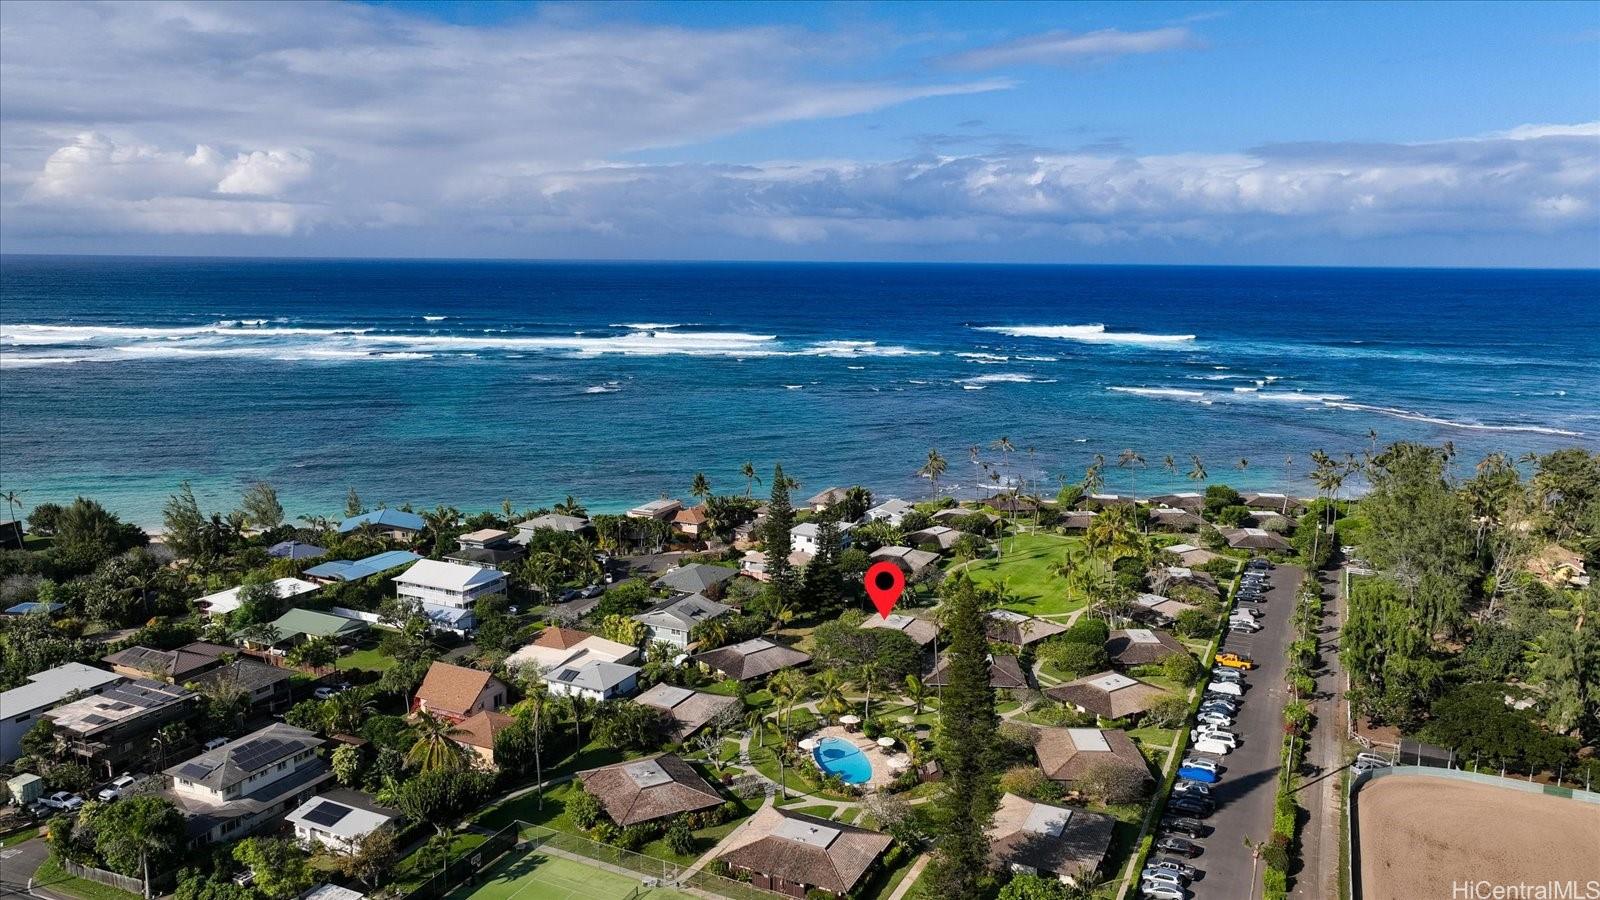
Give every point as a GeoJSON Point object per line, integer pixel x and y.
{"type": "Point", "coordinates": [844, 759]}
{"type": "Point", "coordinates": [470, 382]}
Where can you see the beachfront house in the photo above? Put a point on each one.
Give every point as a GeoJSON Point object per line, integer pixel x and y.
{"type": "Point", "coordinates": [112, 731]}
{"type": "Point", "coordinates": [391, 523]}
{"type": "Point", "coordinates": [892, 511]}
{"type": "Point", "coordinates": [224, 602]}
{"type": "Point", "coordinates": [43, 691]}
{"type": "Point", "coordinates": [673, 622]}
{"type": "Point", "coordinates": [344, 570]}
{"type": "Point", "coordinates": [663, 509]}
{"type": "Point", "coordinates": [691, 520]}
{"type": "Point", "coordinates": [1044, 839]}
{"type": "Point", "coordinates": [1190, 501]}
{"type": "Point", "coordinates": [1076, 520]}
{"type": "Point", "coordinates": [338, 821]}
{"type": "Point", "coordinates": [1282, 504]}
{"type": "Point", "coordinates": [1255, 539]}
{"type": "Point", "coordinates": [941, 537]}
{"type": "Point", "coordinates": [915, 563]}
{"type": "Point", "coordinates": [798, 855]}
{"type": "Point", "coordinates": [645, 790]}
{"type": "Point", "coordinates": [248, 784]}
{"type": "Point", "coordinates": [593, 679]}
{"type": "Point", "coordinates": [550, 522]}
{"type": "Point", "coordinates": [687, 711]}
{"type": "Point", "coordinates": [1174, 519]}
{"type": "Point", "coordinates": [295, 550]}
{"type": "Point", "coordinates": [821, 502]}
{"type": "Point", "coordinates": [803, 537]}
{"type": "Point", "coordinates": [453, 692]}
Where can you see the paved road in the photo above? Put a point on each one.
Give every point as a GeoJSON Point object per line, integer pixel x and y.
{"type": "Point", "coordinates": [17, 864]}
{"type": "Point", "coordinates": [1249, 778]}
{"type": "Point", "coordinates": [1319, 792]}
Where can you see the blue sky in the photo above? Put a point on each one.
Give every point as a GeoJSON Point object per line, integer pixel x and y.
{"type": "Point", "coordinates": [1349, 134]}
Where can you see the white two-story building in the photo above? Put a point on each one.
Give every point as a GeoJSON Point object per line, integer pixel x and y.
{"type": "Point", "coordinates": [447, 591]}
{"type": "Point", "coordinates": [245, 785]}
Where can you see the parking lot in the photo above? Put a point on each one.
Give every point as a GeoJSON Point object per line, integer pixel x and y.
{"type": "Point", "coordinates": [1244, 795]}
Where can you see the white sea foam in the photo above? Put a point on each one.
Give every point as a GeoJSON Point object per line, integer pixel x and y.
{"type": "Point", "coordinates": [1039, 358]}
{"type": "Point", "coordinates": [860, 348]}
{"type": "Point", "coordinates": [1298, 396]}
{"type": "Point", "coordinates": [1006, 378]}
{"type": "Point", "coordinates": [794, 387]}
{"type": "Point", "coordinates": [609, 387]}
{"type": "Point", "coordinates": [972, 387]}
{"type": "Point", "coordinates": [1447, 423]}
{"type": "Point", "coordinates": [855, 367]}
{"type": "Point", "coordinates": [1178, 393]}
{"type": "Point", "coordinates": [984, 357]}
{"type": "Point", "coordinates": [1093, 334]}
{"type": "Point", "coordinates": [434, 318]}
{"type": "Point", "coordinates": [646, 326]}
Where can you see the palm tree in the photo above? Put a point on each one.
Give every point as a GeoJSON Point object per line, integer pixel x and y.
{"type": "Point", "coordinates": [571, 506]}
{"type": "Point", "coordinates": [781, 609]}
{"type": "Point", "coordinates": [345, 711]}
{"type": "Point", "coordinates": [973, 454]}
{"type": "Point", "coordinates": [261, 634]}
{"type": "Point", "coordinates": [1131, 460]}
{"type": "Point", "coordinates": [1093, 481]}
{"type": "Point", "coordinates": [748, 470]}
{"type": "Point", "coordinates": [701, 486]}
{"type": "Point", "coordinates": [1198, 470]}
{"type": "Point", "coordinates": [830, 690]}
{"type": "Point", "coordinates": [13, 502]}
{"type": "Point", "coordinates": [315, 654]}
{"type": "Point", "coordinates": [581, 709]}
{"type": "Point", "coordinates": [1170, 464]}
{"type": "Point", "coordinates": [1006, 448]}
{"type": "Point", "coordinates": [917, 693]}
{"type": "Point", "coordinates": [434, 750]}
{"type": "Point", "coordinates": [788, 686]}
{"type": "Point", "coordinates": [1242, 464]}
{"type": "Point", "coordinates": [150, 830]}
{"type": "Point", "coordinates": [933, 469]}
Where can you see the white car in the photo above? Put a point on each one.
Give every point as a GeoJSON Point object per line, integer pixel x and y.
{"type": "Point", "coordinates": [116, 789]}
{"type": "Point", "coordinates": [1213, 717]}
{"type": "Point", "coordinates": [1247, 612]}
{"type": "Point", "coordinates": [1195, 762]}
{"type": "Point", "coordinates": [1210, 733]}
{"type": "Point", "coordinates": [1228, 688]}
{"type": "Point", "coordinates": [1159, 876]}
{"type": "Point", "coordinates": [1210, 745]}
{"type": "Point", "coordinates": [1156, 890]}
{"type": "Point", "coordinates": [65, 801]}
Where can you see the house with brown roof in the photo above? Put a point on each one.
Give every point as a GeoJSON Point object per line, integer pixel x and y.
{"type": "Point", "coordinates": [1076, 520]}
{"type": "Point", "coordinates": [456, 692]}
{"type": "Point", "coordinates": [1043, 839]}
{"type": "Point", "coordinates": [912, 561]}
{"type": "Point", "coordinates": [1159, 609]}
{"type": "Point", "coordinates": [827, 498]}
{"type": "Point", "coordinates": [922, 631]}
{"type": "Point", "coordinates": [1018, 630]}
{"type": "Point", "coordinates": [687, 711]}
{"type": "Point", "coordinates": [1109, 695]}
{"type": "Point", "coordinates": [476, 734]}
{"type": "Point", "coordinates": [792, 853]}
{"type": "Point", "coordinates": [1189, 555]}
{"type": "Point", "coordinates": [1191, 501]}
{"type": "Point", "coordinates": [690, 520]}
{"type": "Point", "coordinates": [754, 658]}
{"type": "Point", "coordinates": [643, 790]}
{"type": "Point", "coordinates": [942, 536]}
{"type": "Point", "coordinates": [1068, 754]}
{"type": "Point", "coordinates": [1142, 646]}
{"type": "Point", "coordinates": [1174, 519]}
{"type": "Point", "coordinates": [1255, 539]}
{"type": "Point", "coordinates": [1005, 673]}
{"type": "Point", "coordinates": [172, 666]}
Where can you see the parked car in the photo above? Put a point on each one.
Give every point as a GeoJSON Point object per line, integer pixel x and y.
{"type": "Point", "coordinates": [1199, 762]}
{"type": "Point", "coordinates": [1207, 776]}
{"type": "Point", "coordinates": [326, 692]}
{"type": "Point", "coordinates": [1235, 661]}
{"type": "Point", "coordinates": [1206, 734]}
{"type": "Point", "coordinates": [66, 801]}
{"type": "Point", "coordinates": [117, 789]}
{"type": "Point", "coordinates": [1247, 613]}
{"type": "Point", "coordinates": [1169, 864]}
{"type": "Point", "coordinates": [1213, 717]}
{"type": "Point", "coordinates": [1209, 745]}
{"type": "Point", "coordinates": [216, 742]}
{"type": "Point", "coordinates": [1243, 626]}
{"type": "Point", "coordinates": [1159, 876]}
{"type": "Point", "coordinates": [1185, 786]}
{"type": "Point", "coordinates": [592, 591]}
{"type": "Point", "coordinates": [1154, 890]}
{"type": "Point", "coordinates": [1173, 844]}
{"type": "Point", "coordinates": [1221, 674]}
{"type": "Point", "coordinates": [1259, 562]}
{"type": "Point", "coordinates": [1193, 806]}
{"type": "Point", "coordinates": [568, 595]}
{"type": "Point", "coordinates": [1226, 688]}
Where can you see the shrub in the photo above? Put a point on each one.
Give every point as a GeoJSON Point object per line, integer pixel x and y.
{"type": "Point", "coordinates": [1182, 668]}
{"type": "Point", "coordinates": [1168, 712]}
{"type": "Point", "coordinates": [1024, 781]}
{"type": "Point", "coordinates": [1196, 623]}
{"type": "Point", "coordinates": [1075, 658]}
{"type": "Point", "coordinates": [1111, 782]}
{"type": "Point", "coordinates": [680, 839]}
{"type": "Point", "coordinates": [1276, 883]}
{"type": "Point", "coordinates": [1088, 631]}
{"type": "Point", "coordinates": [584, 810]}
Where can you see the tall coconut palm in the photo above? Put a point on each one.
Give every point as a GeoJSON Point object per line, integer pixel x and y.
{"type": "Point", "coordinates": [434, 750]}
{"type": "Point", "coordinates": [1131, 460]}
{"type": "Point", "coordinates": [13, 503]}
{"type": "Point", "coordinates": [788, 686]}
{"type": "Point", "coordinates": [1006, 448]}
{"type": "Point", "coordinates": [830, 690]}
{"type": "Point", "coordinates": [1197, 469]}
{"type": "Point", "coordinates": [1242, 464]}
{"type": "Point", "coordinates": [1093, 481]}
{"type": "Point", "coordinates": [933, 469]}
{"type": "Point", "coordinates": [1170, 464]}
{"type": "Point", "coordinates": [580, 709]}
{"type": "Point", "coordinates": [917, 693]}
{"type": "Point", "coordinates": [701, 486]}
{"type": "Point", "coordinates": [748, 470]}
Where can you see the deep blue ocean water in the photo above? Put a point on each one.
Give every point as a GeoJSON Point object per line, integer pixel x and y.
{"type": "Point", "coordinates": [469, 382]}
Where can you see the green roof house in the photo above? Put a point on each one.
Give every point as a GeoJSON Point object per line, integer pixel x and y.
{"type": "Point", "coordinates": [307, 623]}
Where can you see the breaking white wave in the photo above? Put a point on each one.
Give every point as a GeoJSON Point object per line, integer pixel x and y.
{"type": "Point", "coordinates": [1179, 393]}
{"type": "Point", "coordinates": [857, 368]}
{"type": "Point", "coordinates": [1005, 378]}
{"type": "Point", "coordinates": [646, 326]}
{"type": "Point", "coordinates": [434, 318]}
{"type": "Point", "coordinates": [1412, 416]}
{"type": "Point", "coordinates": [1039, 358]}
{"type": "Point", "coordinates": [1092, 334]}
{"type": "Point", "coordinates": [984, 358]}
{"type": "Point", "coordinates": [610, 387]}
{"type": "Point", "coordinates": [1298, 396]}
{"type": "Point", "coordinates": [793, 387]}
{"type": "Point", "coordinates": [860, 348]}
{"type": "Point", "coordinates": [972, 387]}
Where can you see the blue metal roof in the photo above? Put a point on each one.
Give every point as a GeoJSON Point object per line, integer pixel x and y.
{"type": "Point", "coordinates": [383, 518]}
{"type": "Point", "coordinates": [22, 609]}
{"type": "Point", "coordinates": [343, 570]}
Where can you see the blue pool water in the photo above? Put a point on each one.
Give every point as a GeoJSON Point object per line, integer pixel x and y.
{"type": "Point", "coordinates": [844, 759]}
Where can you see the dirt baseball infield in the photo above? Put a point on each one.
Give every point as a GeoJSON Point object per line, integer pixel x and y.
{"type": "Point", "coordinates": [1421, 837]}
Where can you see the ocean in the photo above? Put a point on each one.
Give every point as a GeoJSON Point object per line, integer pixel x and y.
{"type": "Point", "coordinates": [468, 383]}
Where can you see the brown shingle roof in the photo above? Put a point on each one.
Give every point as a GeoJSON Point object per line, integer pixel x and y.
{"type": "Point", "coordinates": [479, 729]}
{"type": "Point", "coordinates": [1108, 694]}
{"type": "Point", "coordinates": [803, 849]}
{"type": "Point", "coordinates": [1048, 838]}
{"type": "Point", "coordinates": [693, 515]}
{"type": "Point", "coordinates": [177, 664]}
{"type": "Point", "coordinates": [1009, 627]}
{"type": "Point", "coordinates": [644, 789]}
{"type": "Point", "coordinates": [452, 688]}
{"type": "Point", "coordinates": [1005, 672]}
{"type": "Point", "coordinates": [752, 658]}
{"type": "Point", "coordinates": [1066, 754]}
{"type": "Point", "coordinates": [561, 638]}
{"type": "Point", "coordinates": [688, 710]}
{"type": "Point", "coordinates": [1141, 646]}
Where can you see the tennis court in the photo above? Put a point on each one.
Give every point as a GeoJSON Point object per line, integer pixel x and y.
{"type": "Point", "coordinates": [535, 875]}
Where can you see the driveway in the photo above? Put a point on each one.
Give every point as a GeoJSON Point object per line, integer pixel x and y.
{"type": "Point", "coordinates": [1249, 779]}
{"type": "Point", "coordinates": [17, 864]}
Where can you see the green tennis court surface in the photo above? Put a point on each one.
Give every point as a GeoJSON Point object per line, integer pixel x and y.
{"type": "Point", "coordinates": [536, 876]}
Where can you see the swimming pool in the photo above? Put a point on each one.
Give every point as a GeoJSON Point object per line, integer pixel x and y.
{"type": "Point", "coordinates": [837, 756]}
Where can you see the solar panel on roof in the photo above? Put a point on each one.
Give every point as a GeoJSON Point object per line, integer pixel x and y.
{"type": "Point", "coordinates": [95, 720]}
{"type": "Point", "coordinates": [193, 771]}
{"type": "Point", "coordinates": [326, 813]}
{"type": "Point", "coordinates": [567, 675]}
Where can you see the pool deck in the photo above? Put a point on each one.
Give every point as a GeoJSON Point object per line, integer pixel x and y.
{"type": "Point", "coordinates": [879, 760]}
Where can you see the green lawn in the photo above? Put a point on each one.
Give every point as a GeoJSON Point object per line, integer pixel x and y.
{"type": "Point", "coordinates": [368, 658]}
{"type": "Point", "coordinates": [50, 875]}
{"type": "Point", "coordinates": [1026, 570]}
{"type": "Point", "coordinates": [421, 865]}
{"type": "Point", "coordinates": [536, 876]}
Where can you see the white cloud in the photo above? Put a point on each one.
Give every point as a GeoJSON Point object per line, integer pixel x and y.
{"type": "Point", "coordinates": [1065, 47]}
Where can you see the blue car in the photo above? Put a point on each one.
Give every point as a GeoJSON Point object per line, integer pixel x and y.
{"type": "Point", "coordinates": [1201, 775]}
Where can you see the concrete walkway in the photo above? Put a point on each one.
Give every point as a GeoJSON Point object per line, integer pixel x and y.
{"type": "Point", "coordinates": [912, 875]}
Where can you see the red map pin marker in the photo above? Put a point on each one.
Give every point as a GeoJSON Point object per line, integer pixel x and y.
{"type": "Point", "coordinates": [885, 582]}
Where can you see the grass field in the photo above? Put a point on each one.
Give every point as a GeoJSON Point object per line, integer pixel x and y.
{"type": "Point", "coordinates": [1027, 571]}
{"type": "Point", "coordinates": [536, 876]}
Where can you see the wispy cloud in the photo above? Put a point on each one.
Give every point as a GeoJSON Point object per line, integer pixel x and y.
{"type": "Point", "coordinates": [1058, 48]}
